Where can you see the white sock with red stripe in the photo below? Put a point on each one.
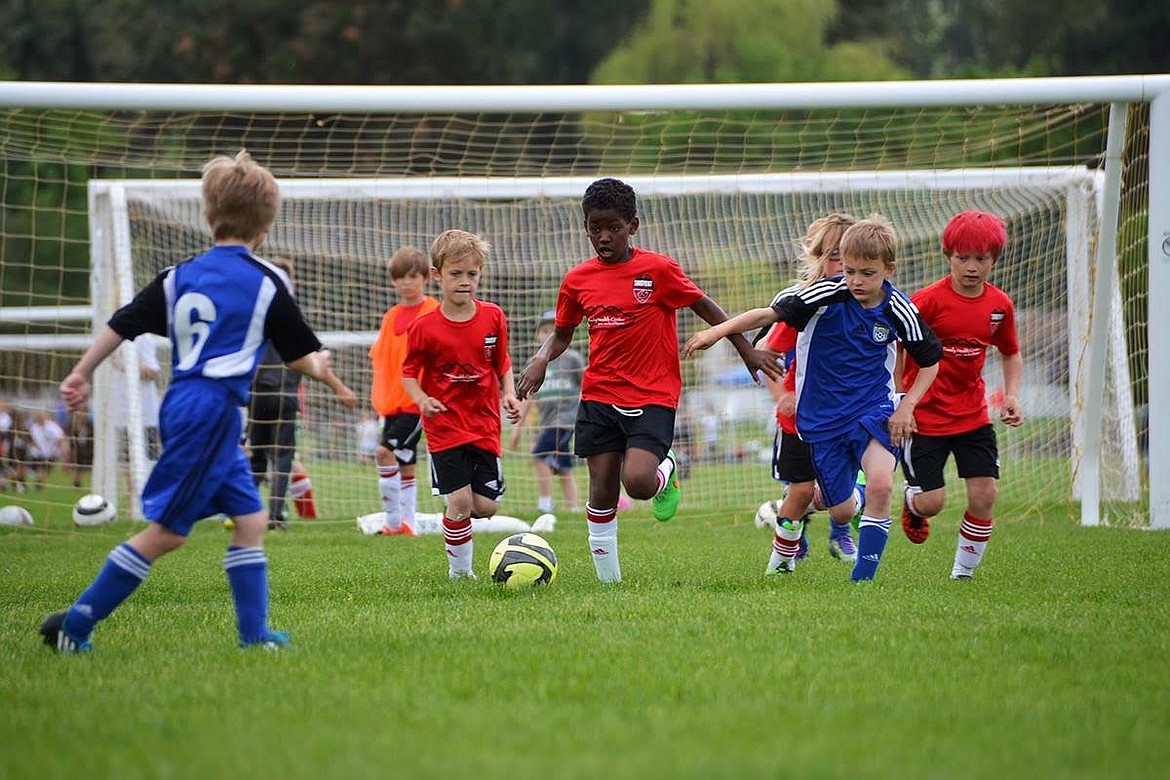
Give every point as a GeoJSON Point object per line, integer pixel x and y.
{"type": "Point", "coordinates": [662, 475]}
{"type": "Point", "coordinates": [409, 498]}
{"type": "Point", "coordinates": [458, 543]}
{"type": "Point", "coordinates": [390, 488]}
{"type": "Point", "coordinates": [974, 532]}
{"type": "Point", "coordinates": [603, 542]}
{"type": "Point", "coordinates": [785, 544]}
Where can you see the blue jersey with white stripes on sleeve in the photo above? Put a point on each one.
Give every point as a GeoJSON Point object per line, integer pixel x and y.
{"type": "Point", "coordinates": [219, 310]}
{"type": "Point", "coordinates": [845, 353]}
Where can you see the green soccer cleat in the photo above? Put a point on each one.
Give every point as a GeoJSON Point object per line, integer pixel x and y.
{"type": "Point", "coordinates": [665, 504]}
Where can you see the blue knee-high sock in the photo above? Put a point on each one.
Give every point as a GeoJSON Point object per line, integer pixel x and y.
{"type": "Point", "coordinates": [871, 543]}
{"type": "Point", "coordinates": [122, 573]}
{"type": "Point", "coordinates": [247, 573]}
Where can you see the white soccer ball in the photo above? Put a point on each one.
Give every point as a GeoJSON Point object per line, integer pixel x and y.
{"type": "Point", "coordinates": [15, 515]}
{"type": "Point", "coordinates": [92, 509]}
{"type": "Point", "coordinates": [767, 513]}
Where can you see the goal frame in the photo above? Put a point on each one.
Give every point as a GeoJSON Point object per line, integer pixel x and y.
{"type": "Point", "coordinates": [1118, 91]}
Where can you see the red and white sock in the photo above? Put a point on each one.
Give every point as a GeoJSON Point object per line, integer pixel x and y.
{"type": "Point", "coordinates": [662, 475]}
{"type": "Point", "coordinates": [785, 544]}
{"type": "Point", "coordinates": [409, 498]}
{"type": "Point", "coordinates": [603, 544]}
{"type": "Point", "coordinates": [390, 488]}
{"type": "Point", "coordinates": [459, 545]}
{"type": "Point", "coordinates": [974, 532]}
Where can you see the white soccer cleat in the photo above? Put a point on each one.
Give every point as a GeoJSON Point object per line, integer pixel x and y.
{"type": "Point", "coordinates": [546, 523]}
{"type": "Point", "coordinates": [961, 572]}
{"type": "Point", "coordinates": [371, 524]}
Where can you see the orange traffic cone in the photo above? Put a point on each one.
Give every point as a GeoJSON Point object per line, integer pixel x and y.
{"type": "Point", "coordinates": [302, 493]}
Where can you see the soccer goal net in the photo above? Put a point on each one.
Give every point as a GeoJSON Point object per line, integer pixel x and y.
{"type": "Point", "coordinates": [727, 192]}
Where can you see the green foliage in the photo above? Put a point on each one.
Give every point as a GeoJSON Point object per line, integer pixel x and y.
{"type": "Point", "coordinates": [680, 671]}
{"type": "Point", "coordinates": [684, 41]}
{"type": "Point", "coordinates": [311, 41]}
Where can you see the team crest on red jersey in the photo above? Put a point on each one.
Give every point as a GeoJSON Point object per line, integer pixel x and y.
{"type": "Point", "coordinates": [643, 289]}
{"type": "Point", "coordinates": [489, 345]}
{"type": "Point", "coordinates": [997, 318]}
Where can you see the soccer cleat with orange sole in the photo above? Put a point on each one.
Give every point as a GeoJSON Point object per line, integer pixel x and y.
{"type": "Point", "coordinates": [403, 530]}
{"type": "Point", "coordinates": [916, 528]}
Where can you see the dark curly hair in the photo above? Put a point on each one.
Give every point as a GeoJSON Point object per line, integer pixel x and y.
{"type": "Point", "coordinates": [606, 194]}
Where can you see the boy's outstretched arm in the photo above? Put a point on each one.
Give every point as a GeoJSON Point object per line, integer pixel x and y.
{"type": "Point", "coordinates": [733, 329]}
{"type": "Point", "coordinates": [532, 377]}
{"type": "Point", "coordinates": [74, 388]}
{"type": "Point", "coordinates": [316, 365]}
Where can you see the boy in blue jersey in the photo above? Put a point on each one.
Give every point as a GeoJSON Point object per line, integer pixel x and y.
{"type": "Point", "coordinates": [219, 310]}
{"type": "Point", "coordinates": [847, 409]}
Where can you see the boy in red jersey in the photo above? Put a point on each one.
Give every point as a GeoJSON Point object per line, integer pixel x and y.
{"type": "Point", "coordinates": [401, 420]}
{"type": "Point", "coordinates": [631, 385]}
{"type": "Point", "coordinates": [457, 371]}
{"type": "Point", "coordinates": [968, 315]}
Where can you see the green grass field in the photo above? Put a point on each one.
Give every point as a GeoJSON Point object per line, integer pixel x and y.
{"type": "Point", "coordinates": [1052, 662]}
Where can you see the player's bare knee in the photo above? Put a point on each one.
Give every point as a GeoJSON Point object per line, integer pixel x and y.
{"type": "Point", "coordinates": [641, 488]}
{"type": "Point", "coordinates": [483, 507]}
{"type": "Point", "coordinates": [930, 502]}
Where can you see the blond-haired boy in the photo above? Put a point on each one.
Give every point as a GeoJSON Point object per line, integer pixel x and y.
{"type": "Point", "coordinates": [458, 371]}
{"type": "Point", "coordinates": [219, 309]}
{"type": "Point", "coordinates": [846, 406]}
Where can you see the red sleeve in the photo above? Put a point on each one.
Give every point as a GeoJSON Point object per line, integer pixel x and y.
{"type": "Point", "coordinates": [416, 353]}
{"type": "Point", "coordinates": [1005, 338]}
{"type": "Point", "coordinates": [569, 311]}
{"type": "Point", "coordinates": [503, 359]}
{"type": "Point", "coordinates": [782, 338]}
{"type": "Point", "coordinates": [680, 291]}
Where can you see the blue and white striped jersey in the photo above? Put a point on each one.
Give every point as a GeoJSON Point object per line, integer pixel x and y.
{"type": "Point", "coordinates": [845, 353]}
{"type": "Point", "coordinates": [219, 309]}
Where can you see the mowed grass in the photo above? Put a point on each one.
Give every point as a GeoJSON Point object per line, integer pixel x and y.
{"type": "Point", "coordinates": [1053, 662]}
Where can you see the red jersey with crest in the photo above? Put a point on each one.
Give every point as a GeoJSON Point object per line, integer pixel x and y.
{"type": "Point", "coordinates": [956, 402]}
{"type": "Point", "coordinates": [633, 334]}
{"type": "Point", "coordinates": [460, 363]}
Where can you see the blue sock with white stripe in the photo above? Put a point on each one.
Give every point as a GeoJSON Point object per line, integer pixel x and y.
{"type": "Point", "coordinates": [871, 543]}
{"type": "Point", "coordinates": [247, 573]}
{"type": "Point", "coordinates": [122, 573]}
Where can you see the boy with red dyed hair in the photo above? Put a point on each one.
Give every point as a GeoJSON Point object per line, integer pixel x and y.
{"type": "Point", "coordinates": [969, 315]}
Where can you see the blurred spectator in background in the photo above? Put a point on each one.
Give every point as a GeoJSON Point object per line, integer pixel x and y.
{"type": "Point", "coordinates": [46, 445]}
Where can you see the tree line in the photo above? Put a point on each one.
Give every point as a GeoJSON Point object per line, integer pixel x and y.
{"type": "Point", "coordinates": [566, 41]}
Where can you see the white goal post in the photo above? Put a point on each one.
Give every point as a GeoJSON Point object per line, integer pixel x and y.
{"type": "Point", "coordinates": [1077, 193]}
{"type": "Point", "coordinates": [1106, 453]}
